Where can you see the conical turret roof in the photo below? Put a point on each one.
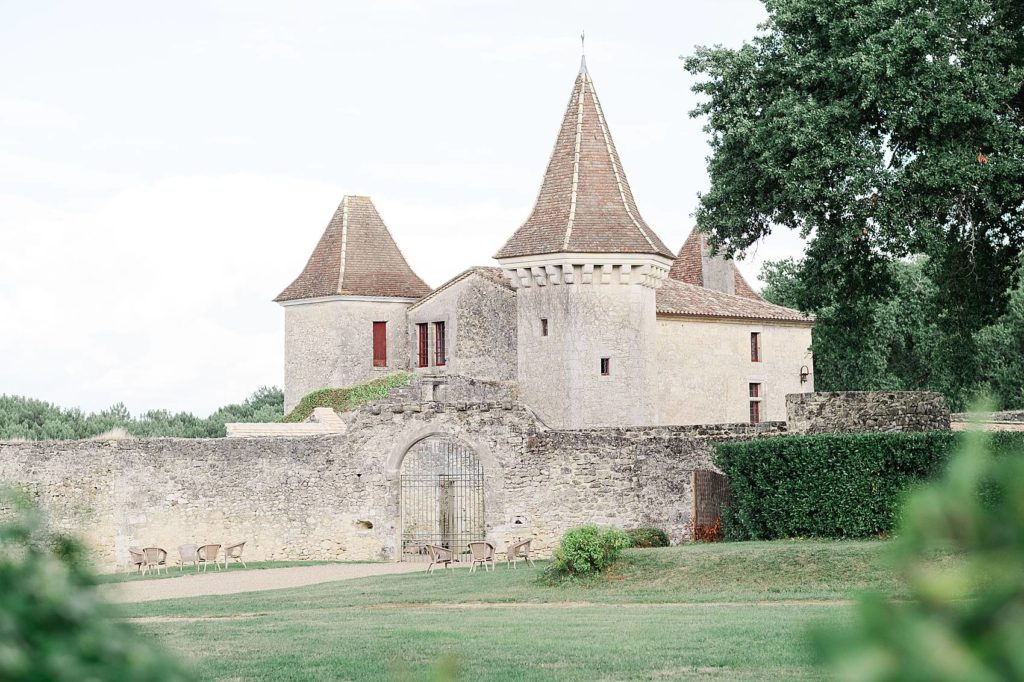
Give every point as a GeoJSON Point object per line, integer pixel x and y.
{"type": "Point", "coordinates": [585, 204]}
{"type": "Point", "coordinates": [356, 256]}
{"type": "Point", "coordinates": [695, 265]}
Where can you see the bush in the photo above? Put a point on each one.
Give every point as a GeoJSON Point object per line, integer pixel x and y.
{"type": "Point", "coordinates": [963, 619]}
{"type": "Point", "coordinates": [835, 485]}
{"type": "Point", "coordinates": [647, 537]}
{"type": "Point", "coordinates": [53, 625]}
{"type": "Point", "coordinates": [588, 550]}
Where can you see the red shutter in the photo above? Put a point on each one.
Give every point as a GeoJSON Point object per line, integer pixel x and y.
{"type": "Point", "coordinates": [755, 412]}
{"type": "Point", "coordinates": [421, 335]}
{"type": "Point", "coordinates": [439, 341]}
{"type": "Point", "coordinates": [380, 344]}
{"type": "Point", "coordinates": [755, 346]}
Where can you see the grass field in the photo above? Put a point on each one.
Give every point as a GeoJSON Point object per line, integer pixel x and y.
{"type": "Point", "coordinates": [726, 611]}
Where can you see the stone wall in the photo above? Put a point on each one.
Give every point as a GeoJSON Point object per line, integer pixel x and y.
{"type": "Point", "coordinates": [866, 411]}
{"type": "Point", "coordinates": [339, 496]}
{"type": "Point", "coordinates": [329, 344]}
{"type": "Point", "coordinates": [479, 315]}
{"type": "Point", "coordinates": [705, 371]}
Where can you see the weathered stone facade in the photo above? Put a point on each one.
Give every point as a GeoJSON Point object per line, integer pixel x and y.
{"type": "Point", "coordinates": [866, 412]}
{"type": "Point", "coordinates": [705, 369]}
{"type": "Point", "coordinates": [329, 343]}
{"type": "Point", "coordinates": [339, 497]}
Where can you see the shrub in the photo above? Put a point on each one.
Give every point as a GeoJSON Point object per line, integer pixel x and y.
{"type": "Point", "coordinates": [834, 485]}
{"type": "Point", "coordinates": [588, 550]}
{"type": "Point", "coordinates": [342, 399]}
{"type": "Point", "coordinates": [53, 625]}
{"type": "Point", "coordinates": [963, 619]}
{"type": "Point", "coordinates": [647, 537]}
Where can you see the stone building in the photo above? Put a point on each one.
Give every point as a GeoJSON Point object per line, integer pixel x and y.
{"type": "Point", "coordinates": [589, 314]}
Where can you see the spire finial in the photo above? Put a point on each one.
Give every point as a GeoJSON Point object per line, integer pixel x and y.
{"type": "Point", "coordinates": [583, 52]}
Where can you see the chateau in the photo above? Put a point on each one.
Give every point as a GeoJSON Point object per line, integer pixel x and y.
{"type": "Point", "coordinates": [588, 316]}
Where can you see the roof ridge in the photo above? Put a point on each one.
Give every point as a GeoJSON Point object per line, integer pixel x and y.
{"type": "Point", "coordinates": [576, 162]}
{"type": "Point", "coordinates": [344, 242]}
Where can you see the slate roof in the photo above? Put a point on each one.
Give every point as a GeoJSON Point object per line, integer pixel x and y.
{"type": "Point", "coordinates": [495, 275]}
{"type": "Point", "coordinates": [674, 297]}
{"type": "Point", "coordinates": [689, 266]}
{"type": "Point", "coordinates": [585, 204]}
{"type": "Point", "coordinates": [356, 256]}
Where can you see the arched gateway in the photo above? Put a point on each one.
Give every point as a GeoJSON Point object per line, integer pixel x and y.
{"type": "Point", "coordinates": [441, 497]}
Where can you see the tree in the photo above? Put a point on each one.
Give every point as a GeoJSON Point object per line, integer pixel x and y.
{"type": "Point", "coordinates": [1001, 348]}
{"type": "Point", "coordinates": [880, 129]}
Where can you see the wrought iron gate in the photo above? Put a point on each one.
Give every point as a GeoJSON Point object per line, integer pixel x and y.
{"type": "Point", "coordinates": [442, 498]}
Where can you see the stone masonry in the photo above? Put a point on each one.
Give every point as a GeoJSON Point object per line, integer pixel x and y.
{"type": "Point", "coordinates": [338, 496]}
{"type": "Point", "coordinates": [866, 411]}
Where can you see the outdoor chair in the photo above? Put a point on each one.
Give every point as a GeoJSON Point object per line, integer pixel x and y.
{"type": "Point", "coordinates": [208, 555]}
{"type": "Point", "coordinates": [188, 554]}
{"type": "Point", "coordinates": [234, 551]}
{"type": "Point", "coordinates": [520, 550]}
{"type": "Point", "coordinates": [483, 554]}
{"type": "Point", "coordinates": [440, 556]}
{"type": "Point", "coordinates": [136, 559]}
{"type": "Point", "coordinates": [155, 557]}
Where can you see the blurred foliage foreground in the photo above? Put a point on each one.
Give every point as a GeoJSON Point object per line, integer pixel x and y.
{"type": "Point", "coordinates": [965, 619]}
{"type": "Point", "coordinates": [53, 625]}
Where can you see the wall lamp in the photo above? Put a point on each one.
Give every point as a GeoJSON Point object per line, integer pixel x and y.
{"type": "Point", "coordinates": [804, 373]}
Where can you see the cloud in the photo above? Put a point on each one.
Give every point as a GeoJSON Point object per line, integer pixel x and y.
{"type": "Point", "coordinates": [25, 113]}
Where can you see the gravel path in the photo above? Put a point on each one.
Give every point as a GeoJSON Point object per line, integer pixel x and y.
{"type": "Point", "coordinates": [231, 582]}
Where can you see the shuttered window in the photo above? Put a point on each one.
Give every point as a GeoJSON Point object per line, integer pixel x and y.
{"type": "Point", "coordinates": [439, 344]}
{"type": "Point", "coordinates": [422, 333]}
{"type": "Point", "coordinates": [380, 344]}
{"type": "Point", "coordinates": [755, 403]}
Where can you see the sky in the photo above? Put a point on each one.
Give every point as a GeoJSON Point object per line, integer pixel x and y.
{"type": "Point", "coordinates": [166, 170]}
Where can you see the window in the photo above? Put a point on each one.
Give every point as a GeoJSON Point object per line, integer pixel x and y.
{"type": "Point", "coordinates": [421, 335]}
{"type": "Point", "coordinates": [606, 366]}
{"type": "Point", "coordinates": [439, 356]}
{"type": "Point", "coordinates": [755, 347]}
{"type": "Point", "coordinates": [380, 344]}
{"type": "Point", "coordinates": [755, 403]}
{"type": "Point", "coordinates": [543, 326]}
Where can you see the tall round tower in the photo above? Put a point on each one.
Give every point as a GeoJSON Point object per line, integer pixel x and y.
{"type": "Point", "coordinates": [585, 266]}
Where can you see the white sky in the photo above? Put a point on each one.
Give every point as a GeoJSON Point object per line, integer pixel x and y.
{"type": "Point", "coordinates": [166, 169]}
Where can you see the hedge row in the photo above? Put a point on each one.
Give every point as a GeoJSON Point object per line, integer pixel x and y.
{"type": "Point", "coordinates": [835, 485]}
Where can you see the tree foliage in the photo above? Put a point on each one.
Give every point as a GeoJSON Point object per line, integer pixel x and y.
{"type": "Point", "coordinates": [39, 420]}
{"type": "Point", "coordinates": [965, 617]}
{"type": "Point", "coordinates": [53, 625]}
{"type": "Point", "coordinates": [881, 130]}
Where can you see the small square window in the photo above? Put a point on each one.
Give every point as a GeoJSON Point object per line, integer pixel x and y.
{"type": "Point", "coordinates": [543, 326]}
{"type": "Point", "coordinates": [606, 366]}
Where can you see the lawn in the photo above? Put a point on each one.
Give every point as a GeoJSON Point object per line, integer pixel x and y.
{"type": "Point", "coordinates": [726, 611]}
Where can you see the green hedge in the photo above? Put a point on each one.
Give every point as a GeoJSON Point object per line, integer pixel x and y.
{"type": "Point", "coordinates": [349, 397]}
{"type": "Point", "coordinates": [835, 485]}
{"type": "Point", "coordinates": [643, 538]}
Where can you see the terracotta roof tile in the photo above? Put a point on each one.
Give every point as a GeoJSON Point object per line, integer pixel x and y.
{"type": "Point", "coordinates": [689, 266]}
{"type": "Point", "coordinates": [585, 204]}
{"type": "Point", "coordinates": [674, 297]}
{"type": "Point", "coordinates": [356, 256]}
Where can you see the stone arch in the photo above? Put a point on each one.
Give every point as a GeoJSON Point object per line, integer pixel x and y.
{"type": "Point", "coordinates": [493, 478]}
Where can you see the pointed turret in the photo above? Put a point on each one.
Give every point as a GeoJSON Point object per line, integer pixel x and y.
{"type": "Point", "coordinates": [695, 265]}
{"type": "Point", "coordinates": [585, 203]}
{"type": "Point", "coordinates": [356, 256]}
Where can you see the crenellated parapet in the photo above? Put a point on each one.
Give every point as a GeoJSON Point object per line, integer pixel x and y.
{"type": "Point", "coordinates": [611, 269]}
